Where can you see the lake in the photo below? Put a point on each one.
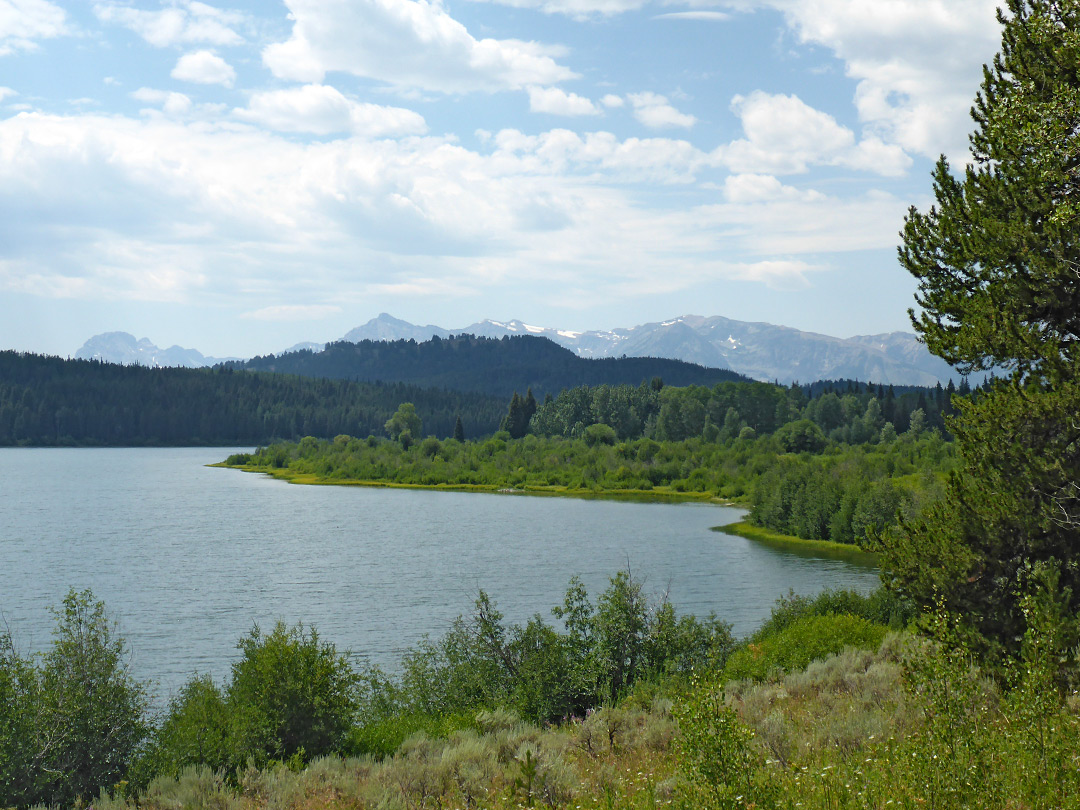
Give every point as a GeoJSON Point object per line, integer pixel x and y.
{"type": "Point", "coordinates": [188, 557]}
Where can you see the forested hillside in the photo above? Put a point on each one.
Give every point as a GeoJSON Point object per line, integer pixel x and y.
{"type": "Point", "coordinates": [492, 366]}
{"type": "Point", "coordinates": [52, 401]}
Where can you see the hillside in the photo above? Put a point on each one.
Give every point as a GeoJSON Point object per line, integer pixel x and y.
{"type": "Point", "coordinates": [761, 351]}
{"type": "Point", "coordinates": [486, 365]}
{"type": "Point", "coordinates": [50, 401]}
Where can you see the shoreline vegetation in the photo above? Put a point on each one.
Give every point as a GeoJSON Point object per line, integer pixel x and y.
{"type": "Point", "coordinates": [835, 701]}
{"type": "Point", "coordinates": [798, 545]}
{"type": "Point", "coordinates": [658, 495]}
{"type": "Point", "coordinates": [843, 487]}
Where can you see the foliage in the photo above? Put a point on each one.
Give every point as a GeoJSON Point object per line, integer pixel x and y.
{"type": "Point", "coordinates": [518, 414]}
{"type": "Point", "coordinates": [293, 693]}
{"type": "Point", "coordinates": [910, 723]}
{"type": "Point", "coordinates": [494, 366]}
{"type": "Point", "coordinates": [880, 607]}
{"type": "Point", "coordinates": [851, 495]}
{"type": "Point", "coordinates": [539, 672]}
{"type": "Point", "coordinates": [844, 495]}
{"type": "Point", "coordinates": [74, 717]}
{"type": "Point", "coordinates": [21, 777]}
{"type": "Point", "coordinates": [50, 401]}
{"type": "Point", "coordinates": [801, 436]}
{"type": "Point", "coordinates": [721, 767]}
{"type": "Point", "coordinates": [996, 259]}
{"type": "Point", "coordinates": [404, 420]}
{"type": "Point", "coordinates": [1011, 508]}
{"type": "Point", "coordinates": [801, 642]}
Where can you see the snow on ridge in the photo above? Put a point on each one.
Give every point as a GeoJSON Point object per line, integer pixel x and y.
{"type": "Point", "coordinates": [566, 333]}
{"type": "Point", "coordinates": [534, 329]}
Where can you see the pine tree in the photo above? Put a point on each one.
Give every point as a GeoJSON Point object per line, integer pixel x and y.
{"type": "Point", "coordinates": [998, 264]}
{"type": "Point", "coordinates": [528, 409]}
{"type": "Point", "coordinates": [512, 421]}
{"type": "Point", "coordinates": [459, 430]}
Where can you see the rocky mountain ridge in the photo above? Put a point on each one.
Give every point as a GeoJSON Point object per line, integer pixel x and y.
{"type": "Point", "coordinates": [762, 351]}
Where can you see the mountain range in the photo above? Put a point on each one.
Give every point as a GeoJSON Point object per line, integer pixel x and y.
{"type": "Point", "coordinates": [761, 351]}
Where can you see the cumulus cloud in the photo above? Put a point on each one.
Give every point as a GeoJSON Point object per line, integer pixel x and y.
{"type": "Point", "coordinates": [757, 188]}
{"type": "Point", "coordinates": [203, 67]}
{"type": "Point", "coordinates": [657, 160]}
{"type": "Point", "coordinates": [554, 101]}
{"type": "Point", "coordinates": [613, 101]}
{"type": "Point", "coordinates": [159, 208]}
{"type": "Point", "coordinates": [323, 110]}
{"type": "Point", "coordinates": [916, 62]}
{"type": "Point", "coordinates": [183, 23]}
{"type": "Point", "coordinates": [24, 22]}
{"type": "Point", "coordinates": [655, 112]}
{"type": "Point", "coordinates": [784, 135]}
{"type": "Point", "coordinates": [170, 102]}
{"type": "Point", "coordinates": [407, 44]}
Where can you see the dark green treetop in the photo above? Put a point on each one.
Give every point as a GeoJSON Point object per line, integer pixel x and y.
{"type": "Point", "coordinates": [998, 256]}
{"type": "Point", "coordinates": [998, 264]}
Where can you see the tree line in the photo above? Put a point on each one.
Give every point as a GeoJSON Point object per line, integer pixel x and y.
{"type": "Point", "coordinates": [49, 401]}
{"type": "Point", "coordinates": [496, 366]}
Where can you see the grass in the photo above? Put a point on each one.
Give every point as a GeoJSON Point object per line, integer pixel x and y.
{"type": "Point", "coordinates": [797, 545]}
{"type": "Point", "coordinates": [869, 729]}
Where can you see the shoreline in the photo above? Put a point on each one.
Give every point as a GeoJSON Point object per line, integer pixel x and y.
{"type": "Point", "coordinates": [641, 495]}
{"type": "Point", "coordinates": [815, 548]}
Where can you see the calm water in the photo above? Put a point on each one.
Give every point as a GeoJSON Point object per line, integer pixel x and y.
{"type": "Point", "coordinates": [187, 557]}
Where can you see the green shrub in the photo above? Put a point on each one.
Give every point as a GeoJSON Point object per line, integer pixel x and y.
{"type": "Point", "coordinates": [196, 730]}
{"type": "Point", "coordinates": [291, 694]}
{"type": "Point", "coordinates": [803, 641]}
{"type": "Point", "coordinates": [879, 607]}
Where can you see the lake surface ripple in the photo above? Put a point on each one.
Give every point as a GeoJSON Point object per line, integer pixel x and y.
{"type": "Point", "coordinates": [188, 558]}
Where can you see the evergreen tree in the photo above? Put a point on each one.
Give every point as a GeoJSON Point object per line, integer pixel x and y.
{"type": "Point", "coordinates": [996, 259]}
{"type": "Point", "coordinates": [511, 423]}
{"type": "Point", "coordinates": [528, 408]}
{"type": "Point", "coordinates": [459, 430]}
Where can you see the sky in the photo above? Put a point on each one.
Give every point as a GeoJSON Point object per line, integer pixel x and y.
{"type": "Point", "coordinates": [238, 177]}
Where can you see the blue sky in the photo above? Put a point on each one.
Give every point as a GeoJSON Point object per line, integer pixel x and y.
{"type": "Point", "coordinates": [241, 176]}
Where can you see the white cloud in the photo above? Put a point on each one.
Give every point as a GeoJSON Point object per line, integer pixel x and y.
{"type": "Point", "coordinates": [176, 104]}
{"type": "Point", "coordinates": [107, 207]}
{"type": "Point", "coordinates": [613, 101]}
{"type": "Point", "coordinates": [917, 62]}
{"type": "Point", "coordinates": [323, 110]}
{"type": "Point", "coordinates": [656, 160]}
{"type": "Point", "coordinates": [578, 9]}
{"type": "Point", "coordinates": [655, 112]}
{"type": "Point", "coordinates": [182, 23]}
{"type": "Point", "coordinates": [703, 16]}
{"type": "Point", "coordinates": [407, 44]}
{"type": "Point", "coordinates": [7, 92]}
{"type": "Point", "coordinates": [293, 312]}
{"type": "Point", "coordinates": [784, 135]}
{"type": "Point", "coordinates": [555, 101]}
{"type": "Point", "coordinates": [23, 22]}
{"type": "Point", "coordinates": [757, 188]}
{"type": "Point", "coordinates": [203, 67]}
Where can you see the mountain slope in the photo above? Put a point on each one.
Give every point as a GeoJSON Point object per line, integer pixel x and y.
{"type": "Point", "coordinates": [488, 365]}
{"type": "Point", "coordinates": [762, 351]}
{"type": "Point", "coordinates": [123, 348]}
